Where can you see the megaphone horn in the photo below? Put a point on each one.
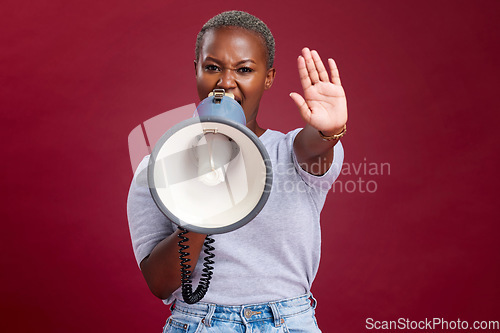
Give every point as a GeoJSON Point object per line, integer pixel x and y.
{"type": "Point", "coordinates": [210, 174]}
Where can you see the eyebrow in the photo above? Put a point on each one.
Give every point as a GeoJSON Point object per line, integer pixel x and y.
{"type": "Point", "coordinates": [238, 63]}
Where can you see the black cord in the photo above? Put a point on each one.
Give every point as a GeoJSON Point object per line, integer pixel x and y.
{"type": "Point", "coordinates": [189, 296]}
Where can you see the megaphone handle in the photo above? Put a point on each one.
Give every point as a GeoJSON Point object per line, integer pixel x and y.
{"type": "Point", "coordinates": [188, 295]}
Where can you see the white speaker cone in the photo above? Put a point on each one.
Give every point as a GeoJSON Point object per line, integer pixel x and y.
{"type": "Point", "coordinates": [213, 152]}
{"type": "Point", "coordinates": [210, 176]}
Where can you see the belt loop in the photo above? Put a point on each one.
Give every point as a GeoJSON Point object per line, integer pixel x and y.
{"type": "Point", "coordinates": [208, 318]}
{"type": "Point", "coordinates": [276, 314]}
{"type": "Point", "coordinates": [313, 300]}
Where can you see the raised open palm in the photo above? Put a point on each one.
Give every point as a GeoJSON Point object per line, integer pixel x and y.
{"type": "Point", "coordinates": [324, 104]}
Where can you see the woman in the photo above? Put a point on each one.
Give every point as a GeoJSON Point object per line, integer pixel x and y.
{"type": "Point", "coordinates": [265, 269]}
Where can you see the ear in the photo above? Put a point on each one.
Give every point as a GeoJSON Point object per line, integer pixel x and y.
{"type": "Point", "coordinates": [271, 73]}
{"type": "Point", "coordinates": [195, 71]}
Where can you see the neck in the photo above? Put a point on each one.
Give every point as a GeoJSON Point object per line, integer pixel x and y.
{"type": "Point", "coordinates": [254, 127]}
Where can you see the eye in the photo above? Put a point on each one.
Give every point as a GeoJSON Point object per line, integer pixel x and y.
{"type": "Point", "coordinates": [245, 70]}
{"type": "Point", "coordinates": [212, 68]}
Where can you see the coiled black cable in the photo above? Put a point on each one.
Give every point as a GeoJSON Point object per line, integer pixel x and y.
{"type": "Point", "coordinates": [188, 295]}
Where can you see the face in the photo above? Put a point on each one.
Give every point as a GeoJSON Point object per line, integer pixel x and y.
{"type": "Point", "coordinates": [234, 59]}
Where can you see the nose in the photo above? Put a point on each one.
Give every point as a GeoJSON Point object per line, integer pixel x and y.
{"type": "Point", "coordinates": [226, 80]}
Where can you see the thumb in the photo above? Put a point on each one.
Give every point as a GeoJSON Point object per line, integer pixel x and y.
{"type": "Point", "coordinates": [302, 105]}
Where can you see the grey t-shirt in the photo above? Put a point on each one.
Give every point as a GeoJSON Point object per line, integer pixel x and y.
{"type": "Point", "coordinates": [273, 257]}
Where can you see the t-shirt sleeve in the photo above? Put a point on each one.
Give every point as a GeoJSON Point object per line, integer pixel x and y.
{"type": "Point", "coordinates": [325, 181]}
{"type": "Point", "coordinates": [148, 226]}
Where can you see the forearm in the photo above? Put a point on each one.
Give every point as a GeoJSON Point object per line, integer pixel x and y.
{"type": "Point", "coordinates": [161, 269]}
{"type": "Point", "coordinates": [314, 154]}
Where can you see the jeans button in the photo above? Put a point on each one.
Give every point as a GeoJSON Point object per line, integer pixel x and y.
{"type": "Point", "coordinates": [248, 313]}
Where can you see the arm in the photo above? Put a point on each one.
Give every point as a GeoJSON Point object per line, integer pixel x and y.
{"type": "Point", "coordinates": [161, 269]}
{"type": "Point", "coordinates": [154, 238]}
{"type": "Point", "coordinates": [323, 107]}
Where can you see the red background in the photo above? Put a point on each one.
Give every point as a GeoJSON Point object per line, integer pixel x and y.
{"type": "Point", "coordinates": [420, 76]}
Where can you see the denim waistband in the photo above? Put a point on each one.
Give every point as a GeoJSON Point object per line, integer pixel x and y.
{"type": "Point", "coordinates": [248, 313]}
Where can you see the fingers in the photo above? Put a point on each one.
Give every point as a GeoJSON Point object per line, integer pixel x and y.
{"type": "Point", "coordinates": [302, 105]}
{"type": "Point", "coordinates": [322, 73]}
{"type": "Point", "coordinates": [310, 65]}
{"type": "Point", "coordinates": [305, 80]}
{"type": "Point", "coordinates": [334, 72]}
{"type": "Point", "coordinates": [312, 70]}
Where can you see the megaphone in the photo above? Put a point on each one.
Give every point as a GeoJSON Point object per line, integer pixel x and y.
{"type": "Point", "coordinates": [210, 174]}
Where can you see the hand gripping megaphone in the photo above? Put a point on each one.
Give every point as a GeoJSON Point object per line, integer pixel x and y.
{"type": "Point", "coordinates": [209, 174]}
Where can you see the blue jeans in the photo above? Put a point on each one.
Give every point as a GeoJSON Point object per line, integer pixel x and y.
{"type": "Point", "coordinates": [294, 315]}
